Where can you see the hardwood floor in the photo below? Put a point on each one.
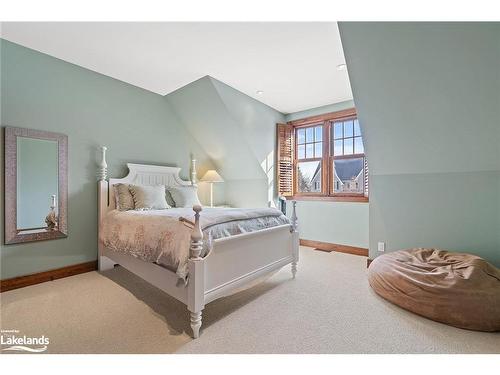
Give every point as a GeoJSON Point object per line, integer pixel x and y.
{"type": "Point", "coordinates": [37, 278]}
{"type": "Point", "coordinates": [326, 246]}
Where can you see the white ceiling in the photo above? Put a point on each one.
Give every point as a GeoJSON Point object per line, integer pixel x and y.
{"type": "Point", "coordinates": [294, 64]}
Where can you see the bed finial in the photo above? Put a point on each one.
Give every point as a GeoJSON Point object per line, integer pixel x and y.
{"type": "Point", "coordinates": [103, 166]}
{"type": "Point", "coordinates": [196, 235]}
{"type": "Point", "coordinates": [193, 170]}
{"type": "Point", "coordinates": [294, 219]}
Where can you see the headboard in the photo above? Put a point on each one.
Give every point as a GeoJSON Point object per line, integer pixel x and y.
{"type": "Point", "coordinates": [140, 174]}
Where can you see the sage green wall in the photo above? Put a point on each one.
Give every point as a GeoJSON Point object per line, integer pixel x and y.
{"type": "Point", "coordinates": [257, 123]}
{"type": "Point", "coordinates": [239, 135]}
{"type": "Point", "coordinates": [344, 223]}
{"type": "Point", "coordinates": [42, 92]}
{"type": "Point", "coordinates": [37, 171]}
{"type": "Point", "coordinates": [428, 100]}
{"type": "Point", "coordinates": [454, 211]}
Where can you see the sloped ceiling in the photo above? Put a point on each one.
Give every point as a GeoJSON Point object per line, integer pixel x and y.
{"type": "Point", "coordinates": [293, 63]}
{"type": "Point", "coordinates": [428, 99]}
{"type": "Point", "coordinates": [220, 131]}
{"type": "Point", "coordinates": [427, 94]}
{"type": "Point", "coordinates": [257, 122]}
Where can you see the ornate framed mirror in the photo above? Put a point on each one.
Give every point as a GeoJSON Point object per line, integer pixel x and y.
{"type": "Point", "coordinates": [36, 185]}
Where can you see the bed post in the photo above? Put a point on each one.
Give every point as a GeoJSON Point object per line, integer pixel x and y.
{"type": "Point", "coordinates": [196, 283]}
{"type": "Point", "coordinates": [295, 234]}
{"type": "Point", "coordinates": [102, 197]}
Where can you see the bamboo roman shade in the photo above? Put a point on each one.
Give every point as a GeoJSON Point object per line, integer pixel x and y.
{"type": "Point", "coordinates": [284, 159]}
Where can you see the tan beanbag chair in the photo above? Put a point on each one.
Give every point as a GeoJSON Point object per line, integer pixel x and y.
{"type": "Point", "coordinates": [462, 290]}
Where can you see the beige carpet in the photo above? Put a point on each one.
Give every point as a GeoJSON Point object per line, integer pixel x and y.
{"type": "Point", "coordinates": [329, 308]}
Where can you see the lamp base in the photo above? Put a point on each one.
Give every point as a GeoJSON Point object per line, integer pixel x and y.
{"type": "Point", "coordinates": [211, 194]}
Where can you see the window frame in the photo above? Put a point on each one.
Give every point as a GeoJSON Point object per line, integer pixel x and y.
{"type": "Point", "coordinates": [327, 160]}
{"type": "Point", "coordinates": [296, 160]}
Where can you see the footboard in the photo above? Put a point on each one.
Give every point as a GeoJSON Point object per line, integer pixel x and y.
{"type": "Point", "coordinates": [237, 260]}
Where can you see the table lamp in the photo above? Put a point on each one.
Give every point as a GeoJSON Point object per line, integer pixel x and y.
{"type": "Point", "coordinates": [212, 176]}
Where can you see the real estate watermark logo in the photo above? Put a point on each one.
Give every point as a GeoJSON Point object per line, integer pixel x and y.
{"type": "Point", "coordinates": [12, 340]}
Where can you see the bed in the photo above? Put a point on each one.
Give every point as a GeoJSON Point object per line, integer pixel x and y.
{"type": "Point", "coordinates": [223, 251]}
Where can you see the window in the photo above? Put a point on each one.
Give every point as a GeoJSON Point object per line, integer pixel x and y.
{"type": "Point", "coordinates": [347, 138]}
{"type": "Point", "coordinates": [327, 160]}
{"type": "Point", "coordinates": [309, 158]}
{"type": "Point", "coordinates": [348, 160]}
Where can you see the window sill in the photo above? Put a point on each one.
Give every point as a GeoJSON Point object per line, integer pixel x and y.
{"type": "Point", "coordinates": [330, 198]}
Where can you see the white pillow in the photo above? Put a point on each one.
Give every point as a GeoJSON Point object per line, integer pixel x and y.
{"type": "Point", "coordinates": [184, 196]}
{"type": "Point", "coordinates": [149, 197]}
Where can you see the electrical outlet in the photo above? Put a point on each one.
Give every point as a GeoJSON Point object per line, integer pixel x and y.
{"type": "Point", "coordinates": [381, 246]}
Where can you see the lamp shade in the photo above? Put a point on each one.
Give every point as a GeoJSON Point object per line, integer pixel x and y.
{"type": "Point", "coordinates": [212, 176]}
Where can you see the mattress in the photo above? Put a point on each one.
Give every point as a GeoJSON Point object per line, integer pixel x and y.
{"type": "Point", "coordinates": [163, 236]}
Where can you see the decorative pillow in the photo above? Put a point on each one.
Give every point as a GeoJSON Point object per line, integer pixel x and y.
{"type": "Point", "coordinates": [123, 197]}
{"type": "Point", "coordinates": [170, 200]}
{"type": "Point", "coordinates": [149, 197]}
{"type": "Point", "coordinates": [184, 196]}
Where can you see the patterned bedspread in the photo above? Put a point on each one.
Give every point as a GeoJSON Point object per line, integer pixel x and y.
{"type": "Point", "coordinates": [159, 236]}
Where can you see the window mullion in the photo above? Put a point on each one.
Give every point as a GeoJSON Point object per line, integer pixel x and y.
{"type": "Point", "coordinates": [325, 189]}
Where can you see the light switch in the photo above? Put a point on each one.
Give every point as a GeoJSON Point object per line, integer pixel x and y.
{"type": "Point", "coordinates": [381, 246]}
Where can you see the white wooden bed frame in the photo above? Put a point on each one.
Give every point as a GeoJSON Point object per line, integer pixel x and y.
{"type": "Point", "coordinates": [232, 263]}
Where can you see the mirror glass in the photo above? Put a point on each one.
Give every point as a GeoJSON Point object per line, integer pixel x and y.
{"type": "Point", "coordinates": [37, 183]}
